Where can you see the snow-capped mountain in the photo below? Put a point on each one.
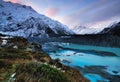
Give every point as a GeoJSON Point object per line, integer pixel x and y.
{"type": "Point", "coordinates": [85, 30]}
{"type": "Point", "coordinates": [113, 29]}
{"type": "Point", "coordinates": [21, 20]}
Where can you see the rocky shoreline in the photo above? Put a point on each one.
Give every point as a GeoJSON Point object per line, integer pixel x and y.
{"type": "Point", "coordinates": [103, 40]}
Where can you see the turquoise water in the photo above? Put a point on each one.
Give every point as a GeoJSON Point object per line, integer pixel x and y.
{"type": "Point", "coordinates": [86, 47]}
{"type": "Point", "coordinates": [94, 77]}
{"type": "Point", "coordinates": [76, 58]}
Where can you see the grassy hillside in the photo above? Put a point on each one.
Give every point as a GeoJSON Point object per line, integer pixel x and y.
{"type": "Point", "coordinates": [21, 61]}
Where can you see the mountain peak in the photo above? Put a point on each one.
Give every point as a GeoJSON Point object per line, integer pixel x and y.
{"type": "Point", "coordinates": [85, 30]}
{"type": "Point", "coordinates": [113, 29]}
{"type": "Point", "coordinates": [22, 20]}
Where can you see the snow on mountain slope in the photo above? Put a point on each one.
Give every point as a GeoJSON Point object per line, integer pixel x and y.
{"type": "Point", "coordinates": [21, 20]}
{"type": "Point", "coordinates": [114, 29]}
{"type": "Point", "coordinates": [85, 30]}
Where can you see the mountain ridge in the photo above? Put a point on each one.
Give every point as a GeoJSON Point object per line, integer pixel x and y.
{"type": "Point", "coordinates": [85, 30]}
{"type": "Point", "coordinates": [14, 15]}
{"type": "Point", "coordinates": [113, 29]}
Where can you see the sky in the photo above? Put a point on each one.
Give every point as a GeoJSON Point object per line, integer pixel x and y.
{"type": "Point", "coordinates": [89, 13]}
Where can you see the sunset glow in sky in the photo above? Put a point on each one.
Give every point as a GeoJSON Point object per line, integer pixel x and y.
{"type": "Point", "coordinates": [91, 13]}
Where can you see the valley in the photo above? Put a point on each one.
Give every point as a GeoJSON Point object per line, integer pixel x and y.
{"type": "Point", "coordinates": [37, 48]}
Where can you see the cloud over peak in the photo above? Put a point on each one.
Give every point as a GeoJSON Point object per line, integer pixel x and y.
{"type": "Point", "coordinates": [15, 1]}
{"type": "Point", "coordinates": [51, 11]}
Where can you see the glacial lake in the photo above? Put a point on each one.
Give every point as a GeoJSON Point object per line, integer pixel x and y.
{"type": "Point", "coordinates": [96, 68]}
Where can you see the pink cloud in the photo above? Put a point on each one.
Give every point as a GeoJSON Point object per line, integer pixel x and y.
{"type": "Point", "coordinates": [51, 12]}
{"type": "Point", "coordinates": [15, 1]}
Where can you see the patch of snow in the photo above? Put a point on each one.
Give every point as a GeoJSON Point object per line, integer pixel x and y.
{"type": "Point", "coordinates": [16, 47]}
{"type": "Point", "coordinates": [12, 77]}
{"type": "Point", "coordinates": [29, 49]}
{"type": "Point", "coordinates": [4, 42]}
{"type": "Point", "coordinates": [6, 37]}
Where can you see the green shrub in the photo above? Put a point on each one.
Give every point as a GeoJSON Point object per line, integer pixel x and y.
{"type": "Point", "coordinates": [41, 72]}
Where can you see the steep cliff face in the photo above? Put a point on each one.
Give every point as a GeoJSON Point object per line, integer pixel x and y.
{"type": "Point", "coordinates": [21, 20]}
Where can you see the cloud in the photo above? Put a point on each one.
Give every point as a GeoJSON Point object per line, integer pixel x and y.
{"type": "Point", "coordinates": [70, 12]}
{"type": "Point", "coordinates": [95, 13]}
{"type": "Point", "coordinates": [104, 23]}
{"type": "Point", "coordinates": [51, 11]}
{"type": "Point", "coordinates": [15, 1]}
